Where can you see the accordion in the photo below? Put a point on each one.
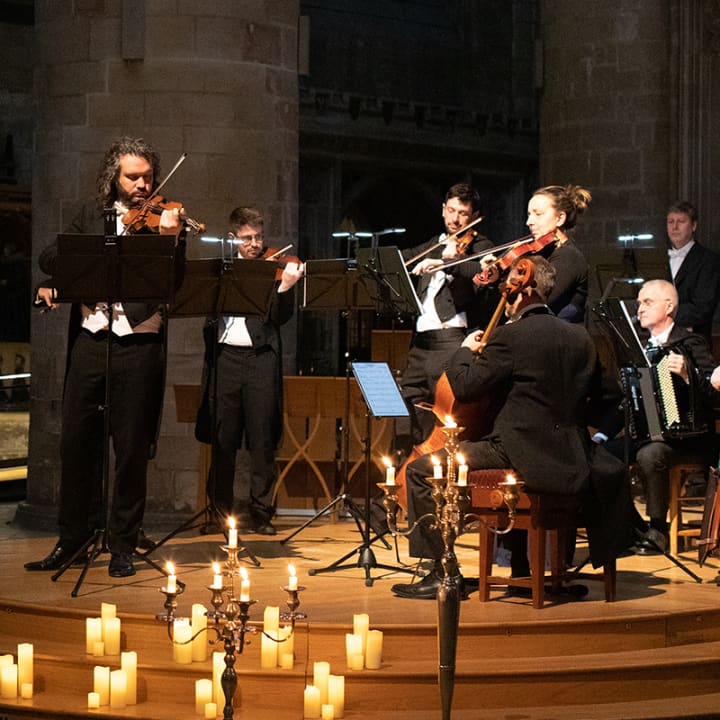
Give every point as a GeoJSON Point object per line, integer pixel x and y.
{"type": "Point", "coordinates": [660, 405]}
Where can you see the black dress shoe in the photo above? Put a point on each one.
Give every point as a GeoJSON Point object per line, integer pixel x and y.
{"type": "Point", "coordinates": [653, 543]}
{"type": "Point", "coordinates": [121, 565]}
{"type": "Point", "coordinates": [426, 589]}
{"type": "Point", "coordinates": [266, 528]}
{"type": "Point", "coordinates": [144, 542]}
{"type": "Point", "coordinates": [58, 557]}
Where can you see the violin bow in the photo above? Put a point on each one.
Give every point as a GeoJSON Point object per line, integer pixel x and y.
{"type": "Point", "coordinates": [444, 241]}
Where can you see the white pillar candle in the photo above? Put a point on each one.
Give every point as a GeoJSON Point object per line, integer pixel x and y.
{"type": "Point", "coordinates": [271, 619]}
{"type": "Point", "coordinates": [26, 691]}
{"type": "Point", "coordinates": [287, 661]}
{"type": "Point", "coordinates": [182, 647]}
{"type": "Point", "coordinates": [99, 649]}
{"type": "Point", "coordinates": [361, 623]}
{"type": "Point", "coordinates": [356, 661]}
{"type": "Point", "coordinates": [210, 711]}
{"type": "Point", "coordinates": [292, 578]}
{"type": "Point", "coordinates": [111, 635]}
{"type": "Point", "coordinates": [244, 586]}
{"type": "Point", "coordinates": [108, 610]}
{"type": "Point", "coordinates": [93, 634]}
{"type": "Point", "coordinates": [101, 684]}
{"type": "Point", "coordinates": [118, 689]}
{"type": "Point", "coordinates": [311, 702]}
{"type": "Point", "coordinates": [268, 650]}
{"type": "Point", "coordinates": [25, 663]}
{"type": "Point", "coordinates": [93, 700]}
{"type": "Point", "coordinates": [8, 681]}
{"type": "Point", "coordinates": [373, 652]}
{"type": "Point", "coordinates": [6, 660]}
{"type": "Point", "coordinates": [336, 694]}
{"type": "Point", "coordinates": [217, 577]}
{"type": "Point", "coordinates": [171, 579]}
{"type": "Point", "coordinates": [321, 670]}
{"type": "Point", "coordinates": [128, 663]}
{"type": "Point", "coordinates": [200, 639]}
{"type": "Point", "coordinates": [327, 711]}
{"type": "Point", "coordinates": [203, 695]}
{"type": "Point", "coordinates": [462, 470]}
{"type": "Point", "coordinates": [437, 468]}
{"type": "Point", "coordinates": [287, 643]}
{"type": "Point", "coordinates": [389, 472]}
{"type": "Point", "coordinates": [353, 647]}
{"type": "Point", "coordinates": [218, 666]}
{"type": "Point", "coordinates": [232, 533]}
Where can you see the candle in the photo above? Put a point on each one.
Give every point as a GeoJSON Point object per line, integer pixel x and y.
{"type": "Point", "coordinates": [118, 689]}
{"type": "Point", "coordinates": [182, 647]}
{"type": "Point", "coordinates": [93, 634]}
{"type": "Point", "coordinates": [437, 467]}
{"type": "Point", "coordinates": [232, 533]}
{"type": "Point", "coordinates": [311, 702]}
{"type": "Point", "coordinates": [111, 635]}
{"type": "Point", "coordinates": [218, 666]}
{"type": "Point", "coordinates": [510, 479]}
{"type": "Point", "coordinates": [108, 610]}
{"type": "Point", "coordinates": [287, 643]}
{"type": "Point", "coordinates": [244, 586]}
{"type": "Point", "coordinates": [203, 695]}
{"type": "Point", "coordinates": [210, 710]}
{"type": "Point", "coordinates": [373, 652]}
{"type": "Point", "coordinates": [462, 470]}
{"type": "Point", "coordinates": [327, 711]}
{"type": "Point", "coordinates": [6, 660]}
{"type": "Point", "coordinates": [93, 700]}
{"type": "Point", "coordinates": [321, 670]}
{"type": "Point", "coordinates": [198, 626]}
{"type": "Point", "coordinates": [336, 694]}
{"type": "Point", "coordinates": [8, 681]}
{"type": "Point", "coordinates": [271, 618]}
{"type": "Point", "coordinates": [389, 471]}
{"type": "Point", "coordinates": [171, 581]}
{"type": "Point", "coordinates": [26, 691]}
{"type": "Point", "coordinates": [268, 649]}
{"type": "Point", "coordinates": [449, 422]}
{"type": "Point", "coordinates": [101, 684]}
{"type": "Point", "coordinates": [353, 648]}
{"type": "Point", "coordinates": [217, 577]}
{"type": "Point", "coordinates": [292, 579]}
{"type": "Point", "coordinates": [286, 661]}
{"type": "Point", "coordinates": [25, 663]}
{"type": "Point", "coordinates": [361, 623]}
{"type": "Point", "coordinates": [99, 649]}
{"type": "Point", "coordinates": [128, 663]}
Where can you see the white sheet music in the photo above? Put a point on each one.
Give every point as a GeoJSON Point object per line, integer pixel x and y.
{"type": "Point", "coordinates": [379, 389]}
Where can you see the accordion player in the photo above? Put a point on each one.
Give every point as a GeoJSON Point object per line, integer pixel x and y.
{"type": "Point", "coordinates": [660, 404]}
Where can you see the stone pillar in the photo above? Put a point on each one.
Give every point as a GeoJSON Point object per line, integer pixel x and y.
{"type": "Point", "coordinates": [216, 80]}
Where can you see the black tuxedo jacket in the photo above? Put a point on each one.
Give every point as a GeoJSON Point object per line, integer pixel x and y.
{"type": "Point", "coordinates": [698, 286]}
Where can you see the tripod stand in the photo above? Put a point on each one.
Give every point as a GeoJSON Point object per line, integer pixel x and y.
{"type": "Point", "coordinates": [128, 269]}
{"type": "Point", "coordinates": [215, 288]}
{"type": "Point", "coordinates": [383, 399]}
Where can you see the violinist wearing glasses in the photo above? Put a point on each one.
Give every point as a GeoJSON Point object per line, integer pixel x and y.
{"type": "Point", "coordinates": [127, 178]}
{"type": "Point", "coordinates": [243, 385]}
{"type": "Point", "coordinates": [451, 304]}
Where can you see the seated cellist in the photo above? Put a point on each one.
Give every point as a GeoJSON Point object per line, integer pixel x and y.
{"type": "Point", "coordinates": [540, 372]}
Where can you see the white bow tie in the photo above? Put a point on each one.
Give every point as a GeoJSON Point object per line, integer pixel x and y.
{"type": "Point", "coordinates": [672, 252]}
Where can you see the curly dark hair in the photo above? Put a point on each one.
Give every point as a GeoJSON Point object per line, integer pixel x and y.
{"type": "Point", "coordinates": [107, 177]}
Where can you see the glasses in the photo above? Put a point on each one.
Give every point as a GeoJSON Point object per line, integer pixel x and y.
{"type": "Point", "coordinates": [247, 239]}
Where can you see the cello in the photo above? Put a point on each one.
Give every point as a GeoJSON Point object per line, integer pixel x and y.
{"type": "Point", "coordinates": [476, 417]}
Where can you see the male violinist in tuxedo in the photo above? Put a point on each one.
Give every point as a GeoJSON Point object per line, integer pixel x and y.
{"type": "Point", "coordinates": [451, 305]}
{"type": "Point", "coordinates": [128, 176]}
{"type": "Point", "coordinates": [540, 370]}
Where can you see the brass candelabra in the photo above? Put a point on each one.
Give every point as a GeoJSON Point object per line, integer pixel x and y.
{"type": "Point", "coordinates": [230, 617]}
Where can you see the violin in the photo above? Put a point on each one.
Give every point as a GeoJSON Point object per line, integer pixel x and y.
{"type": "Point", "coordinates": [279, 257]}
{"type": "Point", "coordinates": [527, 246]}
{"type": "Point", "coordinates": [476, 418]}
{"type": "Point", "coordinates": [462, 237]}
{"type": "Point", "coordinates": [148, 215]}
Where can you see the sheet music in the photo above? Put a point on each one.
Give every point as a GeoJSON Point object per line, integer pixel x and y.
{"type": "Point", "coordinates": [379, 389]}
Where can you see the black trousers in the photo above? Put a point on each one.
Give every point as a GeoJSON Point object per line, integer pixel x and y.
{"type": "Point", "coordinates": [135, 378]}
{"type": "Point", "coordinates": [248, 401]}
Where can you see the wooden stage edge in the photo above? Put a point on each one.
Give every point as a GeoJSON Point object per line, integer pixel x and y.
{"type": "Point", "coordinates": [654, 653]}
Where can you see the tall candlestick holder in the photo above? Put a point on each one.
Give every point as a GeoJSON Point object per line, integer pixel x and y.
{"type": "Point", "coordinates": [450, 518]}
{"type": "Point", "coordinates": [231, 621]}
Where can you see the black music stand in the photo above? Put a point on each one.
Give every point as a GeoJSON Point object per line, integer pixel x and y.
{"type": "Point", "coordinates": [629, 352]}
{"type": "Point", "coordinates": [214, 288]}
{"type": "Point", "coordinates": [383, 399]}
{"type": "Point", "coordinates": [131, 268]}
{"type": "Point", "coordinates": [334, 284]}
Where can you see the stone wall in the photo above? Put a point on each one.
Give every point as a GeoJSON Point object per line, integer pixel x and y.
{"type": "Point", "coordinates": [214, 79]}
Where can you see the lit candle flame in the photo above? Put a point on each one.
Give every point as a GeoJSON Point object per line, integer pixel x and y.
{"type": "Point", "coordinates": [460, 459]}
{"type": "Point", "coordinates": [510, 479]}
{"type": "Point", "coordinates": [387, 462]}
{"type": "Point", "coordinates": [170, 568]}
{"type": "Point", "coordinates": [291, 569]}
{"type": "Point", "coordinates": [449, 422]}
{"type": "Point", "coordinates": [231, 523]}
{"type": "Point", "coordinates": [243, 574]}
{"type": "Point", "coordinates": [216, 568]}
{"type": "Point", "coordinates": [434, 460]}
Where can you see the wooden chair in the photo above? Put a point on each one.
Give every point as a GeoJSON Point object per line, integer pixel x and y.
{"type": "Point", "coordinates": [679, 475]}
{"type": "Point", "coordinates": [546, 517]}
